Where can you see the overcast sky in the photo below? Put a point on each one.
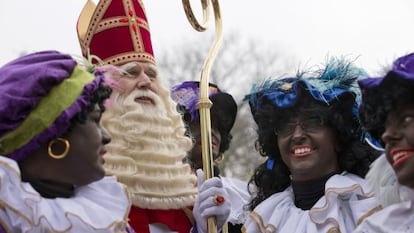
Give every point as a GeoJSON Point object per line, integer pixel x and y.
{"type": "Point", "coordinates": [375, 31]}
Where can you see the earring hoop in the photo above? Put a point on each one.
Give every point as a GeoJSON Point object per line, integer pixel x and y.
{"type": "Point", "coordinates": [65, 152]}
{"type": "Point", "coordinates": [219, 159]}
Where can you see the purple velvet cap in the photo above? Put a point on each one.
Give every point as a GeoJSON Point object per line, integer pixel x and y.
{"type": "Point", "coordinates": [402, 68]}
{"type": "Point", "coordinates": [224, 108]}
{"type": "Point", "coordinates": [372, 110]}
{"type": "Point", "coordinates": [24, 82]}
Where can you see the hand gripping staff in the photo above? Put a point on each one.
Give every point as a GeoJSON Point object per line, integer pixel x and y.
{"type": "Point", "coordinates": [204, 103]}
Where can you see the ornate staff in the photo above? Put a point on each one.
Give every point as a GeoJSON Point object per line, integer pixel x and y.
{"type": "Point", "coordinates": [204, 104]}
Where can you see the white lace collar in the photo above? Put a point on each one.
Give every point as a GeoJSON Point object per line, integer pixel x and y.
{"type": "Point", "coordinates": [102, 206]}
{"type": "Point", "coordinates": [346, 202]}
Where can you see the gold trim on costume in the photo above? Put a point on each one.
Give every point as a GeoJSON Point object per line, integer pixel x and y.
{"type": "Point", "coordinates": [259, 222]}
{"type": "Point", "coordinates": [340, 191]}
{"type": "Point", "coordinates": [84, 19]}
{"type": "Point", "coordinates": [5, 227]}
{"type": "Point", "coordinates": [91, 23]}
{"type": "Point", "coordinates": [334, 229]}
{"type": "Point", "coordinates": [128, 57]}
{"type": "Point", "coordinates": [257, 218]}
{"type": "Point", "coordinates": [4, 206]}
{"type": "Point", "coordinates": [369, 213]}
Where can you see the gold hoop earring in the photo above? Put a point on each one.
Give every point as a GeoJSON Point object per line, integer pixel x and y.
{"type": "Point", "coordinates": [65, 152]}
{"type": "Point", "coordinates": [219, 159]}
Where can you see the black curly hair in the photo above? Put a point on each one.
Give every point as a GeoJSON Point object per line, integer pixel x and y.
{"type": "Point", "coordinates": [98, 97]}
{"type": "Point", "coordinates": [355, 156]}
{"type": "Point", "coordinates": [395, 92]}
{"type": "Point", "coordinates": [226, 136]}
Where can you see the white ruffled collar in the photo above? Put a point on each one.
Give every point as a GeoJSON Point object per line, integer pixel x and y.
{"type": "Point", "coordinates": [102, 206]}
{"type": "Point", "coordinates": [397, 217]}
{"type": "Point", "coordinates": [346, 202]}
{"type": "Point", "coordinates": [406, 193]}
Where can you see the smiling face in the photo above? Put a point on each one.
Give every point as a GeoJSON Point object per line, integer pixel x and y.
{"type": "Point", "coordinates": [399, 143]}
{"type": "Point", "coordinates": [307, 147]}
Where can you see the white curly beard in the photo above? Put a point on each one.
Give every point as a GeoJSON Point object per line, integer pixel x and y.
{"type": "Point", "coordinates": [147, 149]}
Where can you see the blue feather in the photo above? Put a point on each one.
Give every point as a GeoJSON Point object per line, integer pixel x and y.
{"type": "Point", "coordinates": [336, 77]}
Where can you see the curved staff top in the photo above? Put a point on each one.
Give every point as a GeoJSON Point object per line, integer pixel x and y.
{"type": "Point", "coordinates": [204, 104]}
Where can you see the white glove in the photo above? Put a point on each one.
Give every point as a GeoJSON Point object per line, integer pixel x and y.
{"type": "Point", "coordinates": [205, 205]}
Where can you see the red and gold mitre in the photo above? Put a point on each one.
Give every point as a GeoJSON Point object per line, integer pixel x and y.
{"type": "Point", "coordinates": [115, 31]}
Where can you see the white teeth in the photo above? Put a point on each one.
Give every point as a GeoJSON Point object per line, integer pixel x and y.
{"type": "Point", "coordinates": [398, 155]}
{"type": "Point", "coordinates": [302, 150]}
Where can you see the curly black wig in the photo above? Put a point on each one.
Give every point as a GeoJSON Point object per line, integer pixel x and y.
{"type": "Point", "coordinates": [98, 97]}
{"type": "Point", "coordinates": [223, 111]}
{"type": "Point", "coordinates": [355, 156]}
{"type": "Point", "coordinates": [393, 93]}
{"type": "Point", "coordinates": [216, 122]}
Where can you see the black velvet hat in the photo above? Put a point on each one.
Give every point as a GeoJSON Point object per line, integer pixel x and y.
{"type": "Point", "coordinates": [224, 108]}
